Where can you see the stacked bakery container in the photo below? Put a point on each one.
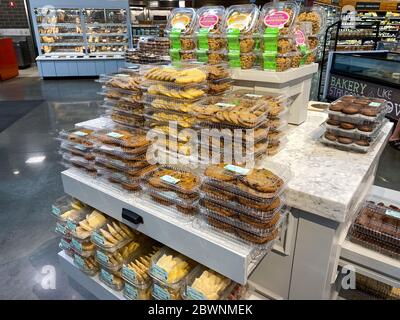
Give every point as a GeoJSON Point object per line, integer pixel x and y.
{"type": "Point", "coordinates": [76, 149]}
{"type": "Point", "coordinates": [354, 123]}
{"type": "Point", "coordinates": [245, 204]}
{"type": "Point", "coordinates": [150, 50]}
{"type": "Point", "coordinates": [378, 227]}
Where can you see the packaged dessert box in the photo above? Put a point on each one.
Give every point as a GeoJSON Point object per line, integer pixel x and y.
{"type": "Point", "coordinates": [75, 222]}
{"type": "Point", "coordinates": [81, 136]}
{"type": "Point", "coordinates": [205, 284]}
{"type": "Point", "coordinates": [362, 145]}
{"type": "Point", "coordinates": [187, 92]}
{"type": "Point", "coordinates": [276, 100]}
{"type": "Point", "coordinates": [87, 265]}
{"type": "Point", "coordinates": [209, 28]}
{"type": "Point", "coordinates": [64, 206]}
{"type": "Point", "coordinates": [349, 130]}
{"type": "Point", "coordinates": [78, 162]}
{"type": "Point", "coordinates": [137, 292]}
{"type": "Point", "coordinates": [241, 19]}
{"type": "Point", "coordinates": [312, 20]}
{"type": "Point", "coordinates": [112, 279]}
{"type": "Point", "coordinates": [76, 149]}
{"type": "Point", "coordinates": [121, 179]}
{"type": "Point", "coordinates": [65, 244]}
{"type": "Point", "coordinates": [183, 75]}
{"type": "Point", "coordinates": [272, 61]}
{"type": "Point", "coordinates": [85, 248]}
{"type": "Point", "coordinates": [134, 140]}
{"type": "Point", "coordinates": [277, 18]}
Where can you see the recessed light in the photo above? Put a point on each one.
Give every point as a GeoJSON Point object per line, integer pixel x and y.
{"type": "Point", "coordinates": [36, 159]}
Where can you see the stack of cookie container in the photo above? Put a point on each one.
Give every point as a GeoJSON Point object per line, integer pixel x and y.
{"type": "Point", "coordinates": [354, 123]}
{"type": "Point", "coordinates": [240, 27]}
{"type": "Point", "coordinates": [276, 35]}
{"type": "Point", "coordinates": [245, 204]}
{"type": "Point", "coordinates": [180, 30]}
{"type": "Point", "coordinates": [76, 149]}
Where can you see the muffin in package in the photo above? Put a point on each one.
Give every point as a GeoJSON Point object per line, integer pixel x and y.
{"type": "Point", "coordinates": [312, 20]}
{"type": "Point", "coordinates": [180, 29]}
{"type": "Point", "coordinates": [240, 26]}
{"type": "Point", "coordinates": [209, 28]}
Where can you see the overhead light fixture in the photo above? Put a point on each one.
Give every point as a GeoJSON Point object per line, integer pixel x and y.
{"type": "Point", "coordinates": [36, 159]}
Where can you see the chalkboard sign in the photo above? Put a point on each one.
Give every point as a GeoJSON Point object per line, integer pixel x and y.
{"type": "Point", "coordinates": [339, 86]}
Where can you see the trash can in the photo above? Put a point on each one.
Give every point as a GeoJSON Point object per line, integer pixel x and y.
{"type": "Point", "coordinates": [23, 55]}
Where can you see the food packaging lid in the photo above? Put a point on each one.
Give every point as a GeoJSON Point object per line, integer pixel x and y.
{"type": "Point", "coordinates": [278, 15]}
{"type": "Point", "coordinates": [318, 14]}
{"type": "Point", "coordinates": [241, 17]}
{"type": "Point", "coordinates": [210, 18]}
{"type": "Point", "coordinates": [182, 19]}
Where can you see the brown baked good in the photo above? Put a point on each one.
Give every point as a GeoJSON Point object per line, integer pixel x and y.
{"type": "Point", "coordinates": [269, 206]}
{"type": "Point", "coordinates": [186, 181]}
{"type": "Point", "coordinates": [333, 122]}
{"type": "Point", "coordinates": [362, 142]}
{"type": "Point", "coordinates": [247, 44]}
{"type": "Point", "coordinates": [247, 61]}
{"type": "Point", "coordinates": [365, 127]}
{"type": "Point", "coordinates": [370, 112]}
{"type": "Point", "coordinates": [186, 210]}
{"type": "Point", "coordinates": [218, 172]}
{"type": "Point", "coordinates": [219, 224]}
{"type": "Point", "coordinates": [337, 107]}
{"type": "Point", "coordinates": [345, 140]}
{"type": "Point", "coordinates": [223, 211]}
{"type": "Point", "coordinates": [330, 136]}
{"type": "Point", "coordinates": [347, 126]}
{"type": "Point", "coordinates": [161, 200]}
{"type": "Point", "coordinates": [256, 238]}
{"type": "Point", "coordinates": [352, 109]}
{"type": "Point", "coordinates": [252, 192]}
{"type": "Point", "coordinates": [261, 224]}
{"type": "Point", "coordinates": [263, 180]}
{"type": "Point", "coordinates": [219, 193]}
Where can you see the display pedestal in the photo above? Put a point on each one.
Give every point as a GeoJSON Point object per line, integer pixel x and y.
{"type": "Point", "coordinates": [295, 83]}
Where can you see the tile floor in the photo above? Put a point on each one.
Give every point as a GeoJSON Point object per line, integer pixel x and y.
{"type": "Point", "coordinates": [27, 241]}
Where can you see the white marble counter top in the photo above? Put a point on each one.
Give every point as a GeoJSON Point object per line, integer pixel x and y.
{"type": "Point", "coordinates": [325, 180]}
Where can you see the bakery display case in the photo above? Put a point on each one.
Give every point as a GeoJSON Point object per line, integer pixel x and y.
{"type": "Point", "coordinates": [80, 39]}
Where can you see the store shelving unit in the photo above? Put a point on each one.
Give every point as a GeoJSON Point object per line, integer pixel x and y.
{"type": "Point", "coordinates": [76, 38]}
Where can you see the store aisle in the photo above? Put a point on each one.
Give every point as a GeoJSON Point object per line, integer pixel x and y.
{"type": "Point", "coordinates": [28, 244]}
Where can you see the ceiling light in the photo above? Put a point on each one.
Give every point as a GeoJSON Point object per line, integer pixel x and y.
{"type": "Point", "coordinates": [36, 159]}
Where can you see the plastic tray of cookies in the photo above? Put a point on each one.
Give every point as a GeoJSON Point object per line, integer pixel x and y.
{"type": "Point", "coordinates": [77, 149]}
{"type": "Point", "coordinates": [124, 165]}
{"type": "Point", "coordinates": [168, 103]}
{"type": "Point", "coordinates": [241, 221]}
{"type": "Point", "coordinates": [132, 173]}
{"type": "Point", "coordinates": [312, 20]}
{"type": "Point", "coordinates": [135, 269]}
{"type": "Point", "coordinates": [185, 75]}
{"type": "Point", "coordinates": [277, 135]}
{"type": "Point", "coordinates": [284, 44]}
{"type": "Point", "coordinates": [183, 120]}
{"type": "Point", "coordinates": [124, 181]}
{"type": "Point", "coordinates": [65, 244]}
{"type": "Point", "coordinates": [120, 94]}
{"type": "Point", "coordinates": [277, 124]}
{"type": "Point", "coordinates": [87, 265]}
{"type": "Point", "coordinates": [278, 62]}
{"type": "Point", "coordinates": [218, 71]}
{"type": "Point", "coordinates": [122, 105]}
{"type": "Point", "coordinates": [84, 248]}
{"type": "Point", "coordinates": [112, 235]}
{"type": "Point", "coordinates": [362, 145]}
{"type": "Point", "coordinates": [355, 133]}
{"type": "Point", "coordinates": [130, 122]}
{"type": "Point", "coordinates": [78, 135]}
{"type": "Point", "coordinates": [132, 138]}
{"type": "Point", "coordinates": [375, 245]}
{"type": "Point", "coordinates": [74, 223]}
{"type": "Point", "coordinates": [111, 278]}
{"type": "Point", "coordinates": [114, 261]}
{"type": "Point", "coordinates": [121, 81]}
{"type": "Point", "coordinates": [287, 11]}
{"type": "Point", "coordinates": [169, 270]}
{"type": "Point", "coordinates": [272, 98]}
{"type": "Point", "coordinates": [127, 109]}
{"type": "Point", "coordinates": [62, 230]}
{"type": "Point", "coordinates": [192, 93]}
{"type": "Point", "coordinates": [262, 184]}
{"type": "Point", "coordinates": [212, 56]}
{"type": "Point", "coordinates": [380, 223]}
{"type": "Point", "coordinates": [274, 147]}
{"type": "Point", "coordinates": [203, 283]}
{"type": "Point", "coordinates": [243, 18]}
{"type": "Point", "coordinates": [66, 205]}
{"type": "Point", "coordinates": [137, 292]}
{"type": "Point", "coordinates": [240, 205]}
{"type": "Point", "coordinates": [247, 135]}
{"type": "Point", "coordinates": [356, 120]}
{"type": "Point", "coordinates": [121, 152]}
{"type": "Point", "coordinates": [220, 86]}
{"type": "Point", "coordinates": [79, 162]}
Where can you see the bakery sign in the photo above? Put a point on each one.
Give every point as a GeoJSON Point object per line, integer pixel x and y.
{"type": "Point", "coordinates": [339, 86]}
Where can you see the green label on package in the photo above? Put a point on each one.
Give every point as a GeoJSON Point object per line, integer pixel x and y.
{"type": "Point", "coordinates": [374, 104]}
{"type": "Point", "coordinates": [236, 169]}
{"type": "Point", "coordinates": [64, 244]}
{"type": "Point", "coordinates": [393, 213]}
{"type": "Point", "coordinates": [160, 293]}
{"type": "Point", "coordinates": [108, 277]}
{"type": "Point", "coordinates": [175, 55]}
{"type": "Point", "coordinates": [102, 257]}
{"type": "Point", "coordinates": [79, 261]}
{"type": "Point", "coordinates": [269, 60]}
{"type": "Point", "coordinates": [115, 135]}
{"type": "Point", "coordinates": [202, 38]}
{"type": "Point", "coordinates": [234, 59]}
{"type": "Point", "coordinates": [270, 37]}
{"type": "Point", "coordinates": [169, 179]}
{"type": "Point", "coordinates": [61, 229]}
{"type": "Point", "coordinates": [55, 210]}
{"type": "Point", "coordinates": [159, 272]}
{"type": "Point", "coordinates": [80, 133]}
{"type": "Point", "coordinates": [202, 55]}
{"type": "Point", "coordinates": [131, 292]}
{"type": "Point", "coordinates": [128, 273]}
{"type": "Point", "coordinates": [175, 38]}
{"type": "Point", "coordinates": [71, 226]}
{"type": "Point", "coordinates": [98, 238]}
{"type": "Point", "coordinates": [303, 50]}
{"type": "Point", "coordinates": [76, 245]}
{"type": "Point", "coordinates": [193, 294]}
{"type": "Point", "coordinates": [233, 39]}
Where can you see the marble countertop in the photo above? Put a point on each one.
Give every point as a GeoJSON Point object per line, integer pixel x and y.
{"type": "Point", "coordinates": [325, 180]}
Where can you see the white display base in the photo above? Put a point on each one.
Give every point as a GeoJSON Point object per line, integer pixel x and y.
{"type": "Point", "coordinates": [295, 83]}
{"type": "Point", "coordinates": [371, 263]}
{"type": "Point", "coordinates": [92, 284]}
{"type": "Point", "coordinates": [232, 259]}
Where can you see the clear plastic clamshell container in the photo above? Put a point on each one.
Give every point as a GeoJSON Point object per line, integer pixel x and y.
{"type": "Point", "coordinates": [312, 20]}
{"type": "Point", "coordinates": [182, 92]}
{"type": "Point", "coordinates": [242, 18]}
{"type": "Point", "coordinates": [126, 153]}
{"type": "Point", "coordinates": [186, 75]}
{"type": "Point", "coordinates": [232, 112]}
{"type": "Point", "coordinates": [117, 94]}
{"type": "Point", "coordinates": [210, 20]}
{"type": "Point", "coordinates": [218, 71]}
{"type": "Point", "coordinates": [182, 20]}
{"type": "Point", "coordinates": [84, 248]}
{"type": "Point", "coordinates": [220, 86]}
{"type": "Point", "coordinates": [205, 284]}
{"type": "Point", "coordinates": [74, 222]}
{"type": "Point", "coordinates": [79, 162]}
{"type": "Point", "coordinates": [123, 180]}
{"type": "Point", "coordinates": [212, 56]}
{"type": "Point", "coordinates": [352, 131]}
{"type": "Point", "coordinates": [138, 292]}
{"type": "Point", "coordinates": [247, 60]}
{"type": "Point", "coordinates": [81, 136]}
{"type": "Point", "coordinates": [123, 106]}
{"type": "Point", "coordinates": [261, 184]}
{"type": "Point", "coordinates": [114, 261]}
{"type": "Point", "coordinates": [87, 265]}
{"type": "Point", "coordinates": [168, 103]}
{"type": "Point", "coordinates": [124, 165]}
{"type": "Point", "coordinates": [362, 145]}
{"type": "Point", "coordinates": [166, 117]}
{"type": "Point", "coordinates": [65, 244]}
{"type": "Point", "coordinates": [280, 15]}
{"type": "Point", "coordinates": [115, 166]}
{"type": "Point", "coordinates": [112, 235]}
{"type": "Point", "coordinates": [127, 119]}
{"type": "Point", "coordinates": [276, 100]}
{"type": "Point", "coordinates": [121, 81]}
{"type": "Point", "coordinates": [63, 207]}
{"type": "Point", "coordinates": [127, 139]}
{"type": "Point", "coordinates": [276, 62]}
{"type": "Point", "coordinates": [135, 269]}
{"type": "Point", "coordinates": [169, 270]}
{"type": "Point", "coordinates": [77, 149]}
{"type": "Point", "coordinates": [62, 230]}
{"type": "Point", "coordinates": [112, 279]}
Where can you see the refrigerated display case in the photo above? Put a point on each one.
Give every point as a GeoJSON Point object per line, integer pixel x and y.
{"type": "Point", "coordinates": [80, 39]}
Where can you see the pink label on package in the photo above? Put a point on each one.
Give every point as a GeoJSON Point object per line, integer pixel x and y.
{"type": "Point", "coordinates": [208, 20]}
{"type": "Point", "coordinates": [276, 19]}
{"type": "Point", "coordinates": [300, 37]}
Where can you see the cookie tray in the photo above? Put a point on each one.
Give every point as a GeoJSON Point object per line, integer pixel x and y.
{"type": "Point", "coordinates": [185, 94]}
{"type": "Point", "coordinates": [111, 261]}
{"type": "Point", "coordinates": [108, 278]}
{"type": "Point", "coordinates": [182, 67]}
{"type": "Point", "coordinates": [355, 133]}
{"type": "Point", "coordinates": [132, 139]}
{"type": "Point", "coordinates": [358, 118]}
{"type": "Point", "coordinates": [79, 162]}
{"type": "Point", "coordinates": [190, 293]}
{"type": "Point", "coordinates": [267, 96]}
{"type": "Point", "coordinates": [128, 123]}
{"type": "Point", "coordinates": [231, 201]}
{"type": "Point", "coordinates": [84, 248]}
{"type": "Point", "coordinates": [77, 149]}
{"type": "Point", "coordinates": [348, 147]}
{"type": "Point", "coordinates": [64, 204]}
{"type": "Point", "coordinates": [72, 224]}
{"type": "Point", "coordinates": [158, 102]}
{"type": "Point", "coordinates": [163, 116]}
{"type": "Point", "coordinates": [122, 181]}
{"type": "Point", "coordinates": [82, 264]}
{"type": "Point", "coordinates": [127, 166]}
{"type": "Point", "coordinates": [172, 198]}
{"type": "Point", "coordinates": [227, 134]}
{"type": "Point", "coordinates": [78, 135]}
{"type": "Point", "coordinates": [121, 152]}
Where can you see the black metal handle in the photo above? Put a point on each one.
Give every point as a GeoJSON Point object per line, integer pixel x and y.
{"type": "Point", "coordinates": [131, 216]}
